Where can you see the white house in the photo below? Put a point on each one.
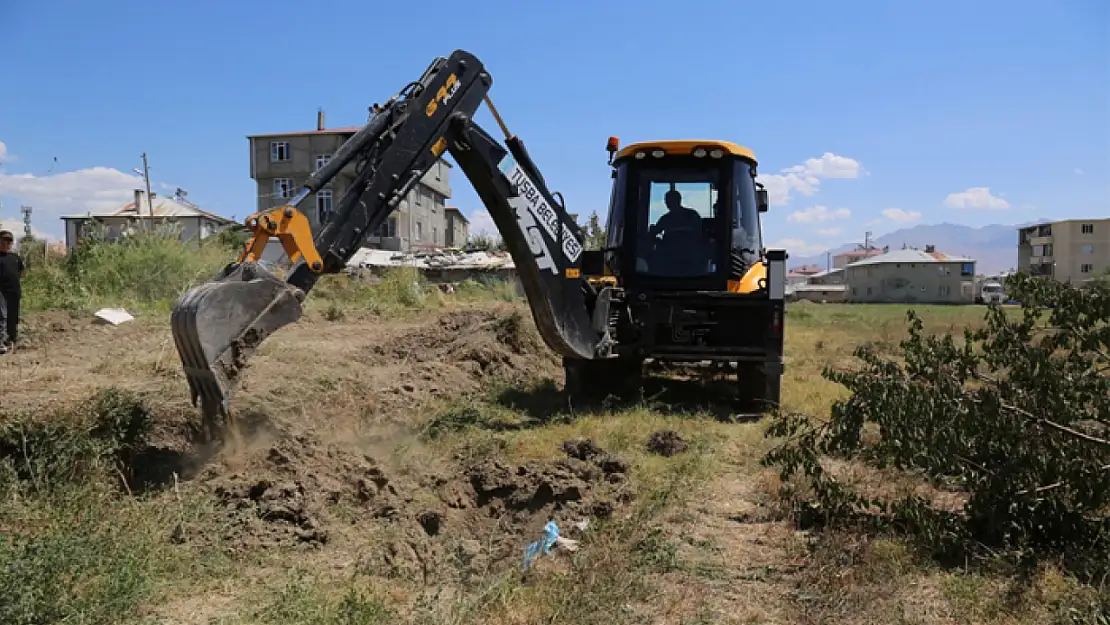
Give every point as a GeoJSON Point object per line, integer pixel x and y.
{"type": "Point", "coordinates": [193, 221]}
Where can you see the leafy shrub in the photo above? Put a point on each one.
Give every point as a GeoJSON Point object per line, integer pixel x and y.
{"type": "Point", "coordinates": [1016, 416]}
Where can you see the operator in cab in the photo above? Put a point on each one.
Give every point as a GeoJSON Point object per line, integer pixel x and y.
{"type": "Point", "coordinates": [678, 218]}
{"type": "Point", "coordinates": [681, 249]}
{"type": "Point", "coordinates": [11, 275]}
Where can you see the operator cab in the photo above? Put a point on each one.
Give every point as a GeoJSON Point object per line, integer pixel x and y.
{"type": "Point", "coordinates": [684, 215]}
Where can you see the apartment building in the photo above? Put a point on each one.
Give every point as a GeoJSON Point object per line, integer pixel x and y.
{"type": "Point", "coordinates": [1070, 250]}
{"type": "Point", "coordinates": [910, 275]}
{"type": "Point", "coordinates": [281, 162]}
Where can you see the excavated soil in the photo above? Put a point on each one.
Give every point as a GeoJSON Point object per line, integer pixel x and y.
{"type": "Point", "coordinates": [667, 443]}
{"type": "Point", "coordinates": [298, 493]}
{"type": "Point", "coordinates": [292, 477]}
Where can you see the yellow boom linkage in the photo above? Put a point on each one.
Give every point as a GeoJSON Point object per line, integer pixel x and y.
{"type": "Point", "coordinates": [291, 227]}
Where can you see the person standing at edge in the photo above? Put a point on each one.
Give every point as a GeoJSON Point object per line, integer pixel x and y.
{"type": "Point", "coordinates": [11, 274]}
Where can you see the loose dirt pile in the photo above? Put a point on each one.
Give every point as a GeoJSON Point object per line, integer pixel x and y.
{"type": "Point", "coordinates": [460, 353]}
{"type": "Point", "coordinates": [481, 342]}
{"type": "Point", "coordinates": [667, 443]}
{"type": "Point", "coordinates": [297, 479]}
{"type": "Point", "coordinates": [298, 493]}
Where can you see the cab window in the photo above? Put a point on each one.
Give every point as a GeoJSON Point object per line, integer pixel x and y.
{"type": "Point", "coordinates": [675, 234]}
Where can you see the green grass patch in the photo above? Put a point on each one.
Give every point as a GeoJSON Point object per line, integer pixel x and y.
{"type": "Point", "coordinates": [77, 546]}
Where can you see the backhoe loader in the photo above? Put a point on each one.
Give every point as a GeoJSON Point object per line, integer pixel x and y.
{"type": "Point", "coordinates": [683, 276]}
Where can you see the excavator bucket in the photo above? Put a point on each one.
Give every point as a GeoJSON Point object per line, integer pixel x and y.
{"type": "Point", "coordinates": [217, 326]}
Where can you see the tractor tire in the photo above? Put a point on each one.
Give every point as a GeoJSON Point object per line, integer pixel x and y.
{"type": "Point", "coordinates": [590, 382]}
{"type": "Point", "coordinates": [758, 391]}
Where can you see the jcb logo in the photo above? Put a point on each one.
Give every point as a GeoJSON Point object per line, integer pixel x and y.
{"type": "Point", "coordinates": [444, 95]}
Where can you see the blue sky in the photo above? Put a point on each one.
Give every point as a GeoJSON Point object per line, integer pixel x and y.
{"type": "Point", "coordinates": [973, 112]}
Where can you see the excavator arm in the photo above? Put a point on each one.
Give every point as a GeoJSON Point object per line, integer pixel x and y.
{"type": "Point", "coordinates": [218, 325]}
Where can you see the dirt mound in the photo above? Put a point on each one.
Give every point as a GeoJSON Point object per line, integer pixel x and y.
{"type": "Point", "coordinates": [295, 493]}
{"type": "Point", "coordinates": [484, 343]}
{"type": "Point", "coordinates": [488, 516]}
{"type": "Point", "coordinates": [667, 443]}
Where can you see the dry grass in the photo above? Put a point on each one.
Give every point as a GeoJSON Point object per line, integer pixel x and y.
{"type": "Point", "coordinates": [703, 540]}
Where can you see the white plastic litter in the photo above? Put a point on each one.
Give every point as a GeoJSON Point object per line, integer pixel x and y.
{"type": "Point", "coordinates": [114, 316]}
{"type": "Point", "coordinates": [569, 544]}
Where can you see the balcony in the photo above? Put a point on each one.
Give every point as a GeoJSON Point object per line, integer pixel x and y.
{"type": "Point", "coordinates": [1041, 269]}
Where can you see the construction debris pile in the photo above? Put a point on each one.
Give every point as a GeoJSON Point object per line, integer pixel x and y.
{"type": "Point", "coordinates": [431, 259]}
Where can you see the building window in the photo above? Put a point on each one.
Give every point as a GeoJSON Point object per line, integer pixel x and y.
{"type": "Point", "coordinates": [1088, 228]}
{"type": "Point", "coordinates": [435, 234]}
{"type": "Point", "coordinates": [283, 187]}
{"type": "Point", "coordinates": [869, 290]}
{"type": "Point", "coordinates": [416, 199]}
{"type": "Point", "coordinates": [967, 269]}
{"type": "Point", "coordinates": [1044, 231]}
{"type": "Point", "coordinates": [1086, 268]}
{"type": "Point", "coordinates": [279, 151]}
{"type": "Point", "coordinates": [321, 160]}
{"type": "Point", "coordinates": [944, 290]}
{"type": "Point", "coordinates": [323, 205]}
{"type": "Point", "coordinates": [419, 231]}
{"type": "Point", "coordinates": [388, 228]}
{"type": "Point", "coordinates": [1088, 249]}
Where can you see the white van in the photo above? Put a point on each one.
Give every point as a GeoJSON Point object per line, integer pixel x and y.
{"type": "Point", "coordinates": [993, 292]}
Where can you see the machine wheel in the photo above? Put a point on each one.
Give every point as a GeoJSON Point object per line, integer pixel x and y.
{"type": "Point", "coordinates": [758, 390]}
{"type": "Point", "coordinates": [591, 382]}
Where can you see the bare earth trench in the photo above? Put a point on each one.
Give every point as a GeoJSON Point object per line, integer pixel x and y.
{"type": "Point", "coordinates": [326, 468]}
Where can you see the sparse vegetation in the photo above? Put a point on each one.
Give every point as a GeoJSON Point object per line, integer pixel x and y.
{"type": "Point", "coordinates": [360, 483]}
{"type": "Point", "coordinates": [147, 271]}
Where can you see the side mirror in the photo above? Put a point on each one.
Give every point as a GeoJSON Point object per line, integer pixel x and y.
{"type": "Point", "coordinates": [762, 199]}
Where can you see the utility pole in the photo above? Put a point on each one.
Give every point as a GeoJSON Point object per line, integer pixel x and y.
{"type": "Point", "coordinates": [149, 202]}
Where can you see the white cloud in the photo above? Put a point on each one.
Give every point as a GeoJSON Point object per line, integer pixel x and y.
{"type": "Point", "coordinates": [15, 226]}
{"type": "Point", "coordinates": [897, 214]}
{"type": "Point", "coordinates": [976, 198]}
{"type": "Point", "coordinates": [818, 213]}
{"type": "Point", "coordinates": [4, 155]}
{"type": "Point", "coordinates": [830, 232]}
{"type": "Point", "coordinates": [798, 247]}
{"type": "Point", "coordinates": [481, 224]}
{"type": "Point", "coordinates": [806, 177]}
{"type": "Point", "coordinates": [51, 196]}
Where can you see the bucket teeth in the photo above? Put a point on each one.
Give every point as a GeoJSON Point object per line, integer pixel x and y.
{"type": "Point", "coordinates": [217, 326]}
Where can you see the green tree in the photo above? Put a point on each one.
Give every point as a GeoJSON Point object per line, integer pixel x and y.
{"type": "Point", "coordinates": [595, 233]}
{"type": "Point", "coordinates": [1016, 416]}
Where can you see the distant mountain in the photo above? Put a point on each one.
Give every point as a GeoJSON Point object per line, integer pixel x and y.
{"type": "Point", "coordinates": [994, 246]}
